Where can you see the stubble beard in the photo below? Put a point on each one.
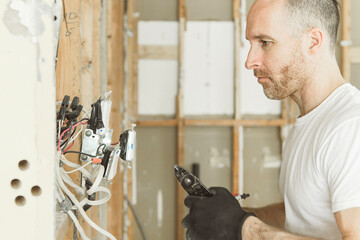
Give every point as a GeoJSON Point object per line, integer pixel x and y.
{"type": "Point", "coordinates": [285, 82]}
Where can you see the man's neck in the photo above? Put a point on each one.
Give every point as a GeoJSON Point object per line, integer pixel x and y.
{"type": "Point", "coordinates": [318, 87]}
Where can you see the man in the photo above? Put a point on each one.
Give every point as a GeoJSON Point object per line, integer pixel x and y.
{"type": "Point", "coordinates": [293, 55]}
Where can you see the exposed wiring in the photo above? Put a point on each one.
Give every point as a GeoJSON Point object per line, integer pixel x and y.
{"type": "Point", "coordinates": [77, 169]}
{"type": "Point", "coordinates": [80, 209]}
{"type": "Point", "coordinates": [136, 217]}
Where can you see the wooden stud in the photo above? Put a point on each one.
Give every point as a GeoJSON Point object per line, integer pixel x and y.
{"type": "Point", "coordinates": [68, 68]}
{"type": "Point", "coordinates": [115, 73]}
{"type": "Point", "coordinates": [158, 52]}
{"type": "Point", "coordinates": [237, 97]}
{"type": "Point", "coordinates": [163, 123]}
{"type": "Point", "coordinates": [234, 122]}
{"type": "Point", "coordinates": [96, 82]}
{"type": "Point", "coordinates": [345, 39]}
{"type": "Point", "coordinates": [130, 108]}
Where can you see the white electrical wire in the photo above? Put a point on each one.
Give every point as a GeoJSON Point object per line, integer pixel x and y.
{"type": "Point", "coordinates": [70, 182]}
{"type": "Point", "coordinates": [79, 168]}
{"type": "Point", "coordinates": [78, 133]}
{"type": "Point", "coordinates": [78, 226]}
{"type": "Point", "coordinates": [80, 209]}
{"type": "Point", "coordinates": [97, 202]}
{"type": "Point", "coordinates": [97, 181]}
{"type": "Point", "coordinates": [74, 165]}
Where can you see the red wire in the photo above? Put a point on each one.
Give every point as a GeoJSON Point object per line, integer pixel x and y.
{"type": "Point", "coordinates": [62, 134]}
{"type": "Point", "coordinates": [115, 143]}
{"type": "Point", "coordinates": [69, 147]}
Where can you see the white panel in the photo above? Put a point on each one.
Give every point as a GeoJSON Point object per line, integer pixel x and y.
{"type": "Point", "coordinates": [253, 99]}
{"type": "Point", "coordinates": [28, 122]}
{"type": "Point", "coordinates": [158, 33]}
{"type": "Point", "coordinates": [209, 68]}
{"type": "Point", "coordinates": [157, 87]}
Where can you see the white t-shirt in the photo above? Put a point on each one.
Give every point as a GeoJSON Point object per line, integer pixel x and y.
{"type": "Point", "coordinates": [320, 173]}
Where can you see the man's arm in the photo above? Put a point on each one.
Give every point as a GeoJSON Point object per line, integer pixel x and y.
{"type": "Point", "coordinates": [273, 214]}
{"type": "Point", "coordinates": [255, 229]}
{"type": "Point", "coordinates": [348, 222]}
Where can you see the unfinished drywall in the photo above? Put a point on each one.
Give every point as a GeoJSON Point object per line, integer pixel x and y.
{"type": "Point", "coordinates": [208, 72]}
{"type": "Point", "coordinates": [28, 120]}
{"type": "Point", "coordinates": [262, 159]}
{"type": "Point", "coordinates": [211, 148]}
{"type": "Point", "coordinates": [156, 190]}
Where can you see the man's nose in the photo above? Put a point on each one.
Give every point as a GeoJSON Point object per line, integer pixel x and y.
{"type": "Point", "coordinates": [253, 60]}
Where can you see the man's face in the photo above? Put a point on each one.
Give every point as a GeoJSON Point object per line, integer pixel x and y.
{"type": "Point", "coordinates": [275, 56]}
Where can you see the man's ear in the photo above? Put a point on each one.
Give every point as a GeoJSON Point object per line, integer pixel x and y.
{"type": "Point", "coordinates": [316, 40]}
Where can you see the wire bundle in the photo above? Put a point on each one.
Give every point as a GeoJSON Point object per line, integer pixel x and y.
{"type": "Point", "coordinates": [67, 133]}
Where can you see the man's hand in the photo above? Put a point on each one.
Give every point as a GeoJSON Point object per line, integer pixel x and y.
{"type": "Point", "coordinates": [216, 217]}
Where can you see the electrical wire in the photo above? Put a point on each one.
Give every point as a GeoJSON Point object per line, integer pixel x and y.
{"type": "Point", "coordinates": [77, 169]}
{"type": "Point", "coordinates": [136, 217]}
{"type": "Point", "coordinates": [62, 134]}
{"type": "Point", "coordinates": [81, 210]}
{"type": "Point", "coordinates": [86, 154]}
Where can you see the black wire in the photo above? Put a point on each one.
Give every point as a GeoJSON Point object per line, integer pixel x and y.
{"type": "Point", "coordinates": [69, 136]}
{"type": "Point", "coordinates": [86, 154]}
{"type": "Point", "coordinates": [136, 217]}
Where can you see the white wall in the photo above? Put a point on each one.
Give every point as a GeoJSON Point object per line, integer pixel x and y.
{"type": "Point", "coordinates": [27, 96]}
{"type": "Point", "coordinates": [208, 72]}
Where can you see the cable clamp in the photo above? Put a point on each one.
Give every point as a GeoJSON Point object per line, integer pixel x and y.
{"type": "Point", "coordinates": [66, 205]}
{"type": "Point", "coordinates": [346, 43]}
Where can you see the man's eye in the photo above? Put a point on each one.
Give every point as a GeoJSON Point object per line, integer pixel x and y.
{"type": "Point", "coordinates": [265, 43]}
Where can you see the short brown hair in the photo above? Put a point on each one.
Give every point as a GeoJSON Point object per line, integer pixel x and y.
{"type": "Point", "coordinates": [308, 14]}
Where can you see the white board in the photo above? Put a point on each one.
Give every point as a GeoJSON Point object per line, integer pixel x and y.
{"type": "Point", "coordinates": [209, 68]}
{"type": "Point", "coordinates": [158, 33]}
{"type": "Point", "coordinates": [157, 87]}
{"type": "Point", "coordinates": [208, 72]}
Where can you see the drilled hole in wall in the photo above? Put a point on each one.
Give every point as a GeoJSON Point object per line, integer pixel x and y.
{"type": "Point", "coordinates": [15, 183]}
{"type": "Point", "coordinates": [20, 201]}
{"type": "Point", "coordinates": [24, 164]}
{"type": "Point", "coordinates": [36, 191]}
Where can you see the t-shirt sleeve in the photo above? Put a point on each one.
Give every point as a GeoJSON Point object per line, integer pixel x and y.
{"type": "Point", "coordinates": [341, 165]}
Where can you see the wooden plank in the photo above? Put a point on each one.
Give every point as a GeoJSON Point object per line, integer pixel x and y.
{"type": "Point", "coordinates": [234, 122]}
{"type": "Point", "coordinates": [135, 70]}
{"type": "Point", "coordinates": [158, 52]}
{"type": "Point", "coordinates": [345, 39]}
{"type": "Point", "coordinates": [96, 82]}
{"type": "Point", "coordinates": [237, 98]}
{"type": "Point", "coordinates": [130, 107]}
{"type": "Point", "coordinates": [236, 157]}
{"type": "Point", "coordinates": [115, 74]}
{"type": "Point", "coordinates": [153, 123]}
{"type": "Point", "coordinates": [355, 55]}
{"type": "Point", "coordinates": [68, 69]}
{"type": "Point", "coordinates": [179, 117]}
{"type": "Point", "coordinates": [220, 122]}
{"type": "Point", "coordinates": [86, 37]}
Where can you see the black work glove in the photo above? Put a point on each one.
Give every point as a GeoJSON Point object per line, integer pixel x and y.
{"type": "Point", "coordinates": [217, 217]}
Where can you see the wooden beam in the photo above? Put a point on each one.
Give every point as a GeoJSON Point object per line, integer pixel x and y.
{"type": "Point", "coordinates": [115, 73]}
{"type": "Point", "coordinates": [153, 123]}
{"type": "Point", "coordinates": [158, 52]}
{"type": "Point", "coordinates": [130, 104]}
{"type": "Point", "coordinates": [68, 68]}
{"type": "Point", "coordinates": [234, 122]}
{"type": "Point", "coordinates": [237, 96]}
{"type": "Point", "coordinates": [96, 82]}
{"type": "Point", "coordinates": [180, 116]}
{"type": "Point", "coordinates": [345, 39]}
